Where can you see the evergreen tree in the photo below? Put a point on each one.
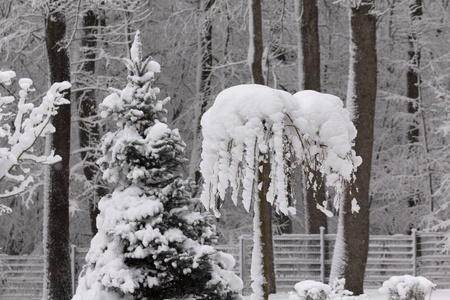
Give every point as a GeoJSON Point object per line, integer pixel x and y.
{"type": "Point", "coordinates": [150, 244]}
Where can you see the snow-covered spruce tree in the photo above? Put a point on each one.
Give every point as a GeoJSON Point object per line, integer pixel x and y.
{"type": "Point", "coordinates": [150, 244]}
{"type": "Point", "coordinates": [250, 126]}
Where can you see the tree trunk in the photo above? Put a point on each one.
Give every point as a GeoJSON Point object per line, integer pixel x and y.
{"type": "Point", "coordinates": [412, 76]}
{"type": "Point", "coordinates": [311, 81]}
{"type": "Point", "coordinates": [57, 279]}
{"type": "Point", "coordinates": [203, 81]}
{"type": "Point", "coordinates": [350, 255]}
{"type": "Point", "coordinates": [255, 60]}
{"type": "Point", "coordinates": [413, 81]}
{"type": "Point", "coordinates": [310, 45]}
{"type": "Point", "coordinates": [263, 227]}
{"type": "Point", "coordinates": [256, 48]}
{"type": "Point", "coordinates": [88, 128]}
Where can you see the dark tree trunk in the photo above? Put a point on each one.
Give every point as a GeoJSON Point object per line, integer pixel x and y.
{"type": "Point", "coordinates": [88, 128]}
{"type": "Point", "coordinates": [57, 282]}
{"type": "Point", "coordinates": [310, 45]}
{"type": "Point", "coordinates": [311, 81]}
{"type": "Point", "coordinates": [265, 212]}
{"type": "Point", "coordinates": [412, 76]}
{"type": "Point", "coordinates": [257, 40]}
{"type": "Point", "coordinates": [412, 87]}
{"type": "Point", "coordinates": [353, 233]}
{"type": "Point", "coordinates": [258, 78]}
{"type": "Point", "coordinates": [203, 81]}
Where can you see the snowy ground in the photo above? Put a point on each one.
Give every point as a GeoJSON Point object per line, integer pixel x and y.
{"type": "Point", "coordinates": [373, 295]}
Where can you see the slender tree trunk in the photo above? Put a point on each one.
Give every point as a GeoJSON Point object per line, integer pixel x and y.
{"type": "Point", "coordinates": [413, 81]}
{"type": "Point", "coordinates": [352, 244]}
{"type": "Point", "coordinates": [203, 81]}
{"type": "Point", "coordinates": [255, 60]}
{"type": "Point", "coordinates": [89, 130]}
{"type": "Point", "coordinates": [57, 279]}
{"type": "Point", "coordinates": [256, 47]}
{"type": "Point", "coordinates": [311, 81]}
{"type": "Point", "coordinates": [265, 229]}
{"type": "Point", "coordinates": [412, 76]}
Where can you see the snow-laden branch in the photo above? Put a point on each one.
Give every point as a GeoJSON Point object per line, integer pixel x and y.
{"type": "Point", "coordinates": [249, 124]}
{"type": "Point", "coordinates": [349, 3]}
{"type": "Point", "coordinates": [30, 123]}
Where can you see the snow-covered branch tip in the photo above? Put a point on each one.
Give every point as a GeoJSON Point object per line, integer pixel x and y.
{"type": "Point", "coordinates": [5, 209]}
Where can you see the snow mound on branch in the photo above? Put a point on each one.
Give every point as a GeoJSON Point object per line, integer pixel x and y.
{"type": "Point", "coordinates": [330, 132]}
{"type": "Point", "coordinates": [249, 124]}
{"type": "Point", "coordinates": [6, 77]}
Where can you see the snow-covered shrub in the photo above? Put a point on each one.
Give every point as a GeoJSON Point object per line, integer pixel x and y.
{"type": "Point", "coordinates": [407, 287]}
{"type": "Point", "coordinates": [310, 290]}
{"type": "Point", "coordinates": [20, 128]}
{"type": "Point", "coordinates": [314, 290]}
{"type": "Point", "coordinates": [150, 244]}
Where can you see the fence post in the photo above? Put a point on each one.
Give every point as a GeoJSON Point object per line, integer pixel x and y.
{"type": "Point", "coordinates": [322, 254]}
{"type": "Point", "coordinates": [414, 245]}
{"type": "Point", "coordinates": [72, 266]}
{"type": "Point", "coordinates": [241, 258]}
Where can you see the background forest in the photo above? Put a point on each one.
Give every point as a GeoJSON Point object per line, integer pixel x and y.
{"type": "Point", "coordinates": [410, 182]}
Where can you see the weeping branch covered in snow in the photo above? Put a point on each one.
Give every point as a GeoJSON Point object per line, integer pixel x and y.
{"type": "Point", "coordinates": [252, 123]}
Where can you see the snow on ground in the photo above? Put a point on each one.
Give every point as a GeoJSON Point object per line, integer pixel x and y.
{"type": "Point", "coordinates": [373, 294]}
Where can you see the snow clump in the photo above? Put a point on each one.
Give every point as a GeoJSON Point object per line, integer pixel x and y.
{"type": "Point", "coordinates": [407, 287]}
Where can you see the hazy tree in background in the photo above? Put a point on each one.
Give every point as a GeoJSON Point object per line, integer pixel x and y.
{"type": "Point", "coordinates": [203, 80]}
{"type": "Point", "coordinates": [57, 278]}
{"type": "Point", "coordinates": [89, 133]}
{"type": "Point", "coordinates": [352, 243]}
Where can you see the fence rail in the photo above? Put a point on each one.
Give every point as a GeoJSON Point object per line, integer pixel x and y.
{"type": "Point", "coordinates": [297, 257]}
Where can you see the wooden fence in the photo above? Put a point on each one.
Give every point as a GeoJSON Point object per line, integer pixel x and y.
{"type": "Point", "coordinates": [297, 257]}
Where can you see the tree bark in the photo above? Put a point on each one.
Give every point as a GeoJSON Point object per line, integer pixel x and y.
{"type": "Point", "coordinates": [412, 76]}
{"type": "Point", "coordinates": [57, 281]}
{"type": "Point", "coordinates": [351, 249]}
{"type": "Point", "coordinates": [204, 70]}
{"type": "Point", "coordinates": [256, 38]}
{"type": "Point", "coordinates": [412, 86]}
{"type": "Point", "coordinates": [89, 130]}
{"type": "Point", "coordinates": [311, 81]}
{"type": "Point", "coordinates": [256, 54]}
{"type": "Point", "coordinates": [310, 45]}
{"type": "Point", "coordinates": [266, 240]}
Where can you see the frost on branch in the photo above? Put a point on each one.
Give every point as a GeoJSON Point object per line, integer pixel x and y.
{"type": "Point", "coordinates": [29, 124]}
{"type": "Point", "coordinates": [151, 243]}
{"type": "Point", "coordinates": [252, 123]}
